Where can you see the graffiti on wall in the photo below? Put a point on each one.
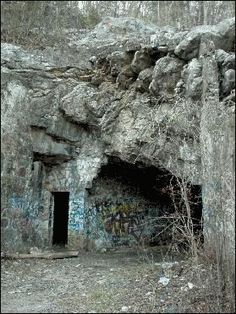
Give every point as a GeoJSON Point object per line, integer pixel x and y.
{"type": "Point", "coordinates": [120, 223]}
{"type": "Point", "coordinates": [30, 209]}
{"type": "Point", "coordinates": [18, 202]}
{"type": "Point", "coordinates": [76, 212]}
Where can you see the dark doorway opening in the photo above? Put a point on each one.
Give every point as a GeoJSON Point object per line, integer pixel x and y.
{"type": "Point", "coordinates": [60, 221]}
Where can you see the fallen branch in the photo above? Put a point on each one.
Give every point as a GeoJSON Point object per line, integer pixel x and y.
{"type": "Point", "coordinates": [46, 255]}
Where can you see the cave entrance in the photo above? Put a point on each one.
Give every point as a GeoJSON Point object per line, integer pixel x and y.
{"type": "Point", "coordinates": [60, 220]}
{"type": "Point", "coordinates": [135, 204]}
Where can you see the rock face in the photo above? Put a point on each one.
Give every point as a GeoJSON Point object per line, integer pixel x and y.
{"type": "Point", "coordinates": [124, 94]}
{"type": "Point", "coordinates": [217, 134]}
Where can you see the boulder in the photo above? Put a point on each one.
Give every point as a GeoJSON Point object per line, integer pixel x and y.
{"type": "Point", "coordinates": [228, 82]}
{"type": "Point", "coordinates": [188, 48]}
{"type": "Point", "coordinates": [132, 45]}
{"type": "Point", "coordinates": [117, 60]}
{"type": "Point", "coordinates": [226, 64]}
{"type": "Point", "coordinates": [168, 38]}
{"type": "Point", "coordinates": [222, 35]}
{"type": "Point", "coordinates": [144, 79]}
{"type": "Point", "coordinates": [229, 62]}
{"type": "Point", "coordinates": [166, 74]}
{"type": "Point", "coordinates": [221, 55]}
{"type": "Point", "coordinates": [126, 77]}
{"type": "Point", "coordinates": [141, 61]}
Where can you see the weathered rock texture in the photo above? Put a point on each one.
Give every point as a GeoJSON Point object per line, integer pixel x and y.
{"type": "Point", "coordinates": [144, 96]}
{"type": "Point", "coordinates": [217, 137]}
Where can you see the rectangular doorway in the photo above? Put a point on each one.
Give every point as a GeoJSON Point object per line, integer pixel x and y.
{"type": "Point", "coordinates": [60, 220]}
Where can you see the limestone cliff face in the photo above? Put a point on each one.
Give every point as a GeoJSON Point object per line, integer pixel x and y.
{"type": "Point", "coordinates": [125, 90]}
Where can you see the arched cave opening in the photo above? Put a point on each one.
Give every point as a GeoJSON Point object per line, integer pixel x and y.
{"type": "Point", "coordinates": [132, 204]}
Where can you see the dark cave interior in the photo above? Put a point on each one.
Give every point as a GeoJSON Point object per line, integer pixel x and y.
{"type": "Point", "coordinates": [129, 196]}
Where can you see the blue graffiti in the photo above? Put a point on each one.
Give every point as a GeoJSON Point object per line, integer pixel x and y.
{"type": "Point", "coordinates": [76, 213]}
{"type": "Point", "coordinates": [30, 209]}
{"type": "Point", "coordinates": [17, 202]}
{"type": "Point", "coordinates": [76, 219]}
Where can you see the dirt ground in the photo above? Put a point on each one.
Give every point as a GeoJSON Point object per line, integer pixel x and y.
{"type": "Point", "coordinates": [118, 281]}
